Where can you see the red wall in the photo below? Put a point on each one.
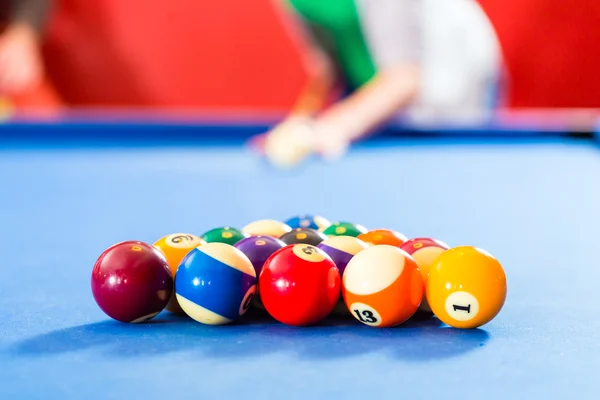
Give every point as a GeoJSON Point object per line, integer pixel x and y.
{"type": "Point", "coordinates": [552, 50]}
{"type": "Point", "coordinates": [237, 53]}
{"type": "Point", "coordinates": [176, 53]}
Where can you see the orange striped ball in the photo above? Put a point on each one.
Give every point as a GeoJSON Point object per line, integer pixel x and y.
{"type": "Point", "coordinates": [382, 286]}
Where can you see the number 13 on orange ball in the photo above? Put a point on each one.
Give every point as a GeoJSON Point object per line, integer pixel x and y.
{"type": "Point", "coordinates": [382, 286]}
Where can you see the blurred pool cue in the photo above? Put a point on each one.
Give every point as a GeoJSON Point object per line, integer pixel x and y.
{"type": "Point", "coordinates": [6, 108]}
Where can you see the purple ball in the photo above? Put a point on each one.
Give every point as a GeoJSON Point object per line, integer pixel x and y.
{"type": "Point", "coordinates": [258, 249]}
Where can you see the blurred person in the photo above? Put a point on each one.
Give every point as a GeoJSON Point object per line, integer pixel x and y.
{"type": "Point", "coordinates": [427, 60]}
{"type": "Point", "coordinates": [21, 63]}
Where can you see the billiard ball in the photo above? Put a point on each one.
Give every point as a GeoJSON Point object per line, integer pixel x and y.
{"type": "Point", "coordinates": [303, 235]}
{"type": "Point", "coordinates": [258, 249]}
{"type": "Point", "coordinates": [424, 251]}
{"type": "Point", "coordinates": [266, 227]}
{"type": "Point", "coordinates": [132, 282]}
{"type": "Point", "coordinates": [341, 249]}
{"type": "Point", "coordinates": [344, 229]}
{"type": "Point", "coordinates": [224, 234]}
{"type": "Point", "coordinates": [466, 287]}
{"type": "Point", "coordinates": [215, 284]}
{"type": "Point", "coordinates": [383, 236]}
{"type": "Point", "coordinates": [382, 286]}
{"type": "Point", "coordinates": [299, 285]}
{"type": "Point", "coordinates": [175, 247]}
{"type": "Point", "coordinates": [315, 222]}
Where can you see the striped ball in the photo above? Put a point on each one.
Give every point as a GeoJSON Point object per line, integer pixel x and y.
{"type": "Point", "coordinates": [266, 227]}
{"type": "Point", "coordinates": [215, 284]}
{"type": "Point", "coordinates": [382, 286]}
{"type": "Point", "coordinates": [341, 249]}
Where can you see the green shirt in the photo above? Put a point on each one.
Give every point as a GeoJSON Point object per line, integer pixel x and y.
{"type": "Point", "coordinates": [335, 24]}
{"type": "Point", "coordinates": [452, 42]}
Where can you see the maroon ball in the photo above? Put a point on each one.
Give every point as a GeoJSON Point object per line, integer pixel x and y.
{"type": "Point", "coordinates": [132, 282]}
{"type": "Point", "coordinates": [258, 249]}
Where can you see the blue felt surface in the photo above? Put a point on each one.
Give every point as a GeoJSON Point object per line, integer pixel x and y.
{"type": "Point", "coordinates": [533, 205]}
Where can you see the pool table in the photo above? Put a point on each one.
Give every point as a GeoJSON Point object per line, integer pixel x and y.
{"type": "Point", "coordinates": [72, 188]}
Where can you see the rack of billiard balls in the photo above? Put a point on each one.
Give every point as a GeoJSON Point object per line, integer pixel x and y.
{"type": "Point", "coordinates": [300, 271]}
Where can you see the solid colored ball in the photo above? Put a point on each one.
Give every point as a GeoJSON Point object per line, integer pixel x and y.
{"type": "Point", "coordinates": [299, 285]}
{"type": "Point", "coordinates": [382, 286]}
{"type": "Point", "coordinates": [383, 236]}
{"type": "Point", "coordinates": [344, 229]}
{"type": "Point", "coordinates": [175, 247]}
{"type": "Point", "coordinates": [258, 249]}
{"type": "Point", "coordinates": [424, 251]}
{"type": "Point", "coordinates": [303, 235]}
{"type": "Point", "coordinates": [132, 282]}
{"type": "Point", "coordinates": [466, 287]}
{"type": "Point", "coordinates": [215, 284]}
{"type": "Point", "coordinates": [226, 234]}
{"type": "Point", "coordinates": [315, 222]}
{"type": "Point", "coordinates": [266, 227]}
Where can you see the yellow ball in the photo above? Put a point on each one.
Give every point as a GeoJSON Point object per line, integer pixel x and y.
{"type": "Point", "coordinates": [266, 227]}
{"type": "Point", "coordinates": [175, 247]}
{"type": "Point", "coordinates": [466, 287]}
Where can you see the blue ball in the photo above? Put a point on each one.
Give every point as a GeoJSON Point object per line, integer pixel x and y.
{"type": "Point", "coordinates": [215, 283]}
{"type": "Point", "coordinates": [315, 222]}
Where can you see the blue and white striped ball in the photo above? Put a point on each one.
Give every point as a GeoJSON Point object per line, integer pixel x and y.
{"type": "Point", "coordinates": [315, 222]}
{"type": "Point", "coordinates": [215, 284]}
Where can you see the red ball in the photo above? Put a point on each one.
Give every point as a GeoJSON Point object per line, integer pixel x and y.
{"type": "Point", "coordinates": [299, 285]}
{"type": "Point", "coordinates": [132, 282]}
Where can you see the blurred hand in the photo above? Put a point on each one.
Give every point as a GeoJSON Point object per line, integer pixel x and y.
{"type": "Point", "coordinates": [297, 138]}
{"type": "Point", "coordinates": [289, 143]}
{"type": "Point", "coordinates": [21, 65]}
